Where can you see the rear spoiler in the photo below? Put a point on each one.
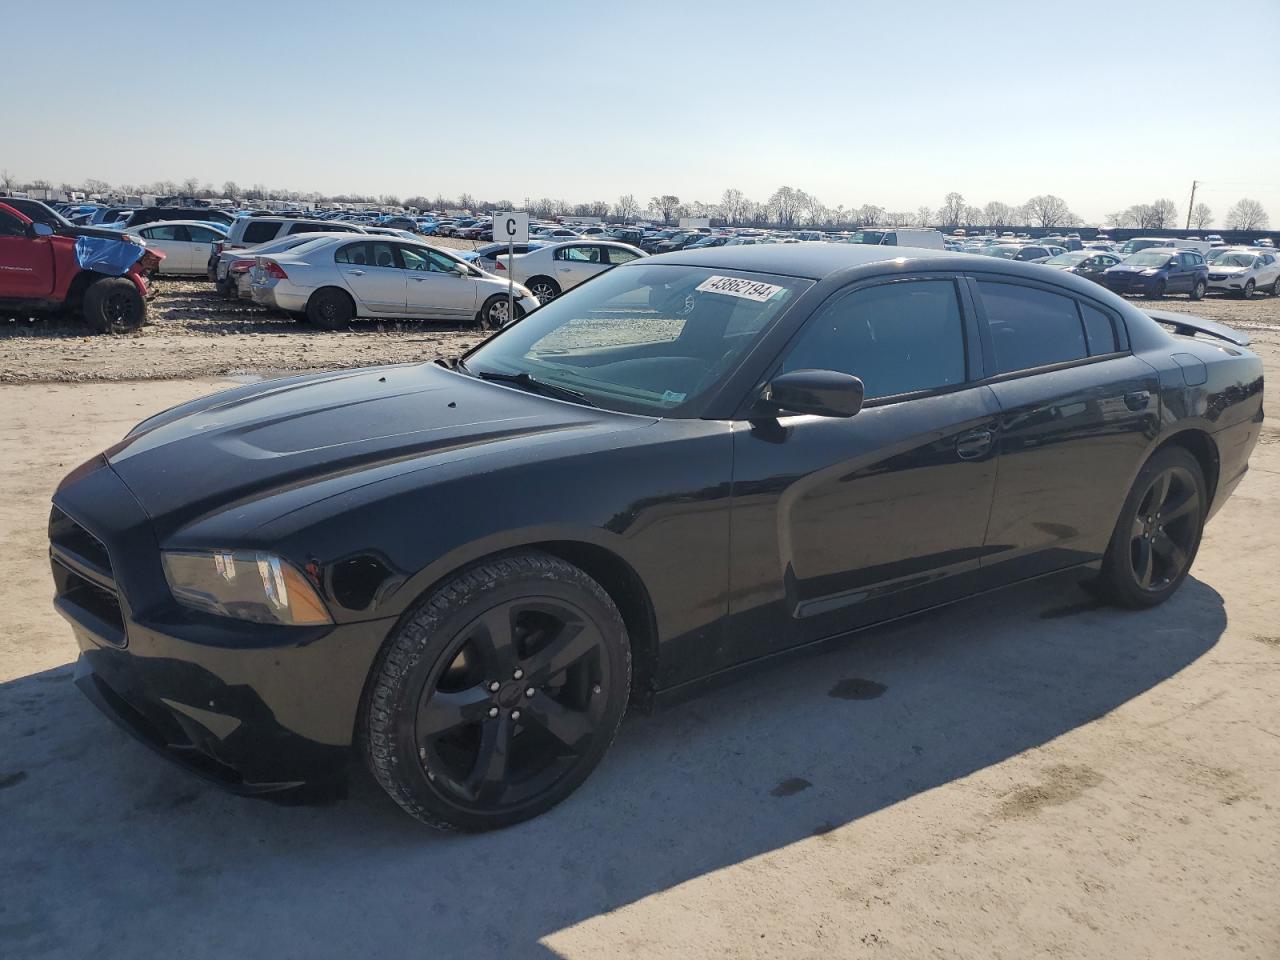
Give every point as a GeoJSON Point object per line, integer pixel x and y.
{"type": "Point", "coordinates": [1188, 325]}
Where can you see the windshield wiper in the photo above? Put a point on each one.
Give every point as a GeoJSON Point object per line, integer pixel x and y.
{"type": "Point", "coordinates": [534, 385]}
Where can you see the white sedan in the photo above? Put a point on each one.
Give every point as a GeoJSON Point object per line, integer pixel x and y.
{"type": "Point", "coordinates": [551, 270]}
{"type": "Point", "coordinates": [334, 280]}
{"type": "Point", "coordinates": [1243, 271]}
{"type": "Point", "coordinates": [186, 244]}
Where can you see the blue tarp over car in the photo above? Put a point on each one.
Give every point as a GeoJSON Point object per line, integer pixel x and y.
{"type": "Point", "coordinates": [112, 257]}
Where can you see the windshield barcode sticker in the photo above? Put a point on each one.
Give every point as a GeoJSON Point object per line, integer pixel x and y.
{"type": "Point", "coordinates": [737, 287]}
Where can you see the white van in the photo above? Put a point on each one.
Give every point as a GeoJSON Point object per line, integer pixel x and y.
{"type": "Point", "coordinates": [1141, 243]}
{"type": "Point", "coordinates": [901, 237]}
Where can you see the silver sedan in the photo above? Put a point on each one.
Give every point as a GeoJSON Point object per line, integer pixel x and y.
{"type": "Point", "coordinates": [335, 280]}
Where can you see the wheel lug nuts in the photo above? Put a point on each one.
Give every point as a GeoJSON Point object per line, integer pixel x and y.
{"type": "Point", "coordinates": [495, 687]}
{"type": "Point", "coordinates": [493, 711]}
{"type": "Point", "coordinates": [515, 714]}
{"type": "Point", "coordinates": [530, 692]}
{"type": "Point", "coordinates": [596, 688]}
{"type": "Point", "coordinates": [518, 674]}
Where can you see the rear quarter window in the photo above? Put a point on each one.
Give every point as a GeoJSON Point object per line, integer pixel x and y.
{"type": "Point", "coordinates": [260, 231]}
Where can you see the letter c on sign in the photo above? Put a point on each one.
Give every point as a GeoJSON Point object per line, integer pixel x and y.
{"type": "Point", "coordinates": [511, 226]}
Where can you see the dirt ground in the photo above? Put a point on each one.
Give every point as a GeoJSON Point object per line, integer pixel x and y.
{"type": "Point", "coordinates": [1024, 775]}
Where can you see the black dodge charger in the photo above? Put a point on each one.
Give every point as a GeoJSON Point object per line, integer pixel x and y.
{"type": "Point", "coordinates": [467, 571]}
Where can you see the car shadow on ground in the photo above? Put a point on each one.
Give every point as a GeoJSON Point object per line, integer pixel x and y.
{"type": "Point", "coordinates": [105, 847]}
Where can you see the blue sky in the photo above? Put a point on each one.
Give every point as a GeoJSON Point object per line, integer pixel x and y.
{"type": "Point", "coordinates": [890, 103]}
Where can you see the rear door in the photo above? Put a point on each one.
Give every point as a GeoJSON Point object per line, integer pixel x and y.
{"type": "Point", "coordinates": [579, 262]}
{"type": "Point", "coordinates": [172, 240]}
{"type": "Point", "coordinates": [371, 270]}
{"type": "Point", "coordinates": [26, 263]}
{"type": "Point", "coordinates": [838, 523]}
{"type": "Point", "coordinates": [201, 241]}
{"type": "Point", "coordinates": [434, 289]}
{"type": "Point", "coordinates": [1077, 411]}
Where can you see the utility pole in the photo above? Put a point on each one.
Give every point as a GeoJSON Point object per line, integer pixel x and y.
{"type": "Point", "coordinates": [1192, 202]}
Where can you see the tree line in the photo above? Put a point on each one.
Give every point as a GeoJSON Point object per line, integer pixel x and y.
{"type": "Point", "coordinates": [786, 208]}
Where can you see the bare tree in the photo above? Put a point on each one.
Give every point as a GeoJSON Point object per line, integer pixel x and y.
{"type": "Point", "coordinates": [1247, 214]}
{"type": "Point", "coordinates": [868, 215]}
{"type": "Point", "coordinates": [997, 214]}
{"type": "Point", "coordinates": [952, 212]}
{"type": "Point", "coordinates": [626, 208]}
{"type": "Point", "coordinates": [1164, 214]}
{"type": "Point", "coordinates": [732, 204]}
{"type": "Point", "coordinates": [786, 204]}
{"type": "Point", "coordinates": [6, 182]}
{"type": "Point", "coordinates": [1046, 210]}
{"type": "Point", "coordinates": [665, 204]}
{"type": "Point", "coordinates": [1201, 216]}
{"type": "Point", "coordinates": [92, 186]}
{"type": "Point", "coordinates": [925, 216]}
{"type": "Point", "coordinates": [231, 190]}
{"type": "Point", "coordinates": [899, 218]}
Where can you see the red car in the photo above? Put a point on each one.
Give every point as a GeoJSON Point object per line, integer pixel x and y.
{"type": "Point", "coordinates": [41, 270]}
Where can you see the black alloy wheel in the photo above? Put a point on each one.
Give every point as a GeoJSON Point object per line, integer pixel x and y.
{"type": "Point", "coordinates": [1158, 533]}
{"type": "Point", "coordinates": [500, 693]}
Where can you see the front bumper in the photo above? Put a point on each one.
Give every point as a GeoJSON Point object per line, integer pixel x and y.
{"type": "Point", "coordinates": [1228, 284]}
{"type": "Point", "coordinates": [258, 709]}
{"type": "Point", "coordinates": [1129, 283]}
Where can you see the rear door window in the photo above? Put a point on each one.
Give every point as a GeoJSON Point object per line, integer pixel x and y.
{"type": "Point", "coordinates": [618, 255]}
{"type": "Point", "coordinates": [166, 231]}
{"type": "Point", "coordinates": [1030, 327]}
{"type": "Point", "coordinates": [11, 226]}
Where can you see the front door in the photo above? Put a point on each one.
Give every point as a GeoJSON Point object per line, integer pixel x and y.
{"type": "Point", "coordinates": [26, 263]}
{"type": "Point", "coordinates": [371, 271]}
{"type": "Point", "coordinates": [838, 523]}
{"type": "Point", "coordinates": [435, 289]}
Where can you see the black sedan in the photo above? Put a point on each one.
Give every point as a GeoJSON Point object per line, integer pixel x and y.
{"type": "Point", "coordinates": [468, 571]}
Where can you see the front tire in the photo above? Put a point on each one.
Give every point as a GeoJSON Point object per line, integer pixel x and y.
{"type": "Point", "coordinates": [493, 315]}
{"type": "Point", "coordinates": [498, 694]}
{"type": "Point", "coordinates": [1247, 292]}
{"type": "Point", "coordinates": [114, 305]}
{"type": "Point", "coordinates": [1156, 538]}
{"type": "Point", "coordinates": [330, 309]}
{"type": "Point", "coordinates": [1157, 292]}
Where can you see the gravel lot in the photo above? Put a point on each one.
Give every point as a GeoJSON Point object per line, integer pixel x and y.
{"type": "Point", "coordinates": [1027, 775]}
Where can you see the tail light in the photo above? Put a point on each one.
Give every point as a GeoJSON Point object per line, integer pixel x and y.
{"type": "Point", "coordinates": [218, 246]}
{"type": "Point", "coordinates": [497, 265]}
{"type": "Point", "coordinates": [241, 266]}
{"type": "Point", "coordinates": [273, 270]}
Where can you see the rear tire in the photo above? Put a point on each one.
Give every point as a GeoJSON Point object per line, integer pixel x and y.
{"type": "Point", "coordinates": [458, 754]}
{"type": "Point", "coordinates": [1198, 290]}
{"type": "Point", "coordinates": [330, 309]}
{"type": "Point", "coordinates": [1158, 533]}
{"type": "Point", "coordinates": [114, 305]}
{"type": "Point", "coordinates": [544, 288]}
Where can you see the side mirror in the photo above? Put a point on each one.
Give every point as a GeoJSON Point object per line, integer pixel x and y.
{"type": "Point", "coordinates": [41, 230]}
{"type": "Point", "coordinates": [823, 393]}
{"type": "Point", "coordinates": [462, 270]}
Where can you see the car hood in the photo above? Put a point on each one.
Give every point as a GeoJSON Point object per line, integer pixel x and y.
{"type": "Point", "coordinates": [1130, 268]}
{"type": "Point", "coordinates": [250, 442]}
{"type": "Point", "coordinates": [1214, 268]}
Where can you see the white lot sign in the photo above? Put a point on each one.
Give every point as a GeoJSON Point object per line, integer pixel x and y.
{"type": "Point", "coordinates": [511, 227]}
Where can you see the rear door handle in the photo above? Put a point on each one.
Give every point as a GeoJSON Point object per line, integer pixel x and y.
{"type": "Point", "coordinates": [974, 444]}
{"type": "Point", "coordinates": [1137, 400]}
{"type": "Point", "coordinates": [357, 273]}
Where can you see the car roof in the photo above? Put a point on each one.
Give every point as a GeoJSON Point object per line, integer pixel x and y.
{"type": "Point", "coordinates": [212, 225]}
{"type": "Point", "coordinates": [810, 260]}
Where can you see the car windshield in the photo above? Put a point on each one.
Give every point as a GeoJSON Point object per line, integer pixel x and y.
{"type": "Point", "coordinates": [1067, 259]}
{"type": "Point", "coordinates": [1147, 260]}
{"type": "Point", "coordinates": [867, 236]}
{"type": "Point", "coordinates": [650, 339]}
{"type": "Point", "coordinates": [1003, 251]}
{"type": "Point", "coordinates": [1235, 260]}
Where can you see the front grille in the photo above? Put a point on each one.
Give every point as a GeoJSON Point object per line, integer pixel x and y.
{"type": "Point", "coordinates": [84, 583]}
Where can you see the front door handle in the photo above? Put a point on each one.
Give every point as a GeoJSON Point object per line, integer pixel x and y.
{"type": "Point", "coordinates": [357, 273]}
{"type": "Point", "coordinates": [974, 444]}
{"type": "Point", "coordinates": [1137, 400]}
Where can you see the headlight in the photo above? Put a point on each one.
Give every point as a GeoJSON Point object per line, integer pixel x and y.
{"type": "Point", "coordinates": [247, 585]}
{"type": "Point", "coordinates": [1149, 273]}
